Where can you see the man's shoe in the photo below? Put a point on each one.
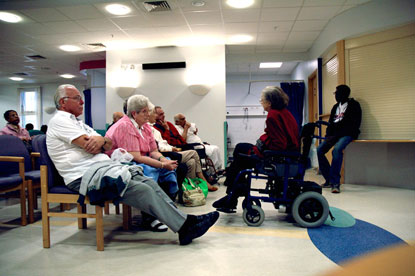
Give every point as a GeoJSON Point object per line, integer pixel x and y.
{"type": "Point", "coordinates": [335, 190]}
{"type": "Point", "coordinates": [226, 202]}
{"type": "Point", "coordinates": [326, 185]}
{"type": "Point", "coordinates": [197, 229]}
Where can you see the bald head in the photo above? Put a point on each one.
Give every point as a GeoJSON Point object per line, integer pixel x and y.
{"type": "Point", "coordinates": [116, 116]}
{"type": "Point", "coordinates": [179, 119]}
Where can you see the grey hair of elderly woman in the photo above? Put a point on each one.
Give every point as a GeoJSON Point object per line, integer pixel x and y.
{"type": "Point", "coordinates": [275, 96]}
{"type": "Point", "coordinates": [137, 103]}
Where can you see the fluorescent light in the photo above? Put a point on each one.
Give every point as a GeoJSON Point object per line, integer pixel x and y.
{"type": "Point", "coordinates": [69, 48]}
{"type": "Point", "coordinates": [10, 17]}
{"type": "Point", "coordinates": [240, 38]}
{"type": "Point", "coordinates": [67, 76]}
{"type": "Point", "coordinates": [270, 64]}
{"type": "Point", "coordinates": [16, 78]}
{"type": "Point", "coordinates": [118, 9]}
{"type": "Point", "coordinates": [240, 4]}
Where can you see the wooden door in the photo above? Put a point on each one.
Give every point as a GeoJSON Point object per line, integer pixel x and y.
{"type": "Point", "coordinates": [312, 97]}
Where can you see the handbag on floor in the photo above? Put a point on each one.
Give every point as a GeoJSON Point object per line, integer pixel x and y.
{"type": "Point", "coordinates": [192, 194]}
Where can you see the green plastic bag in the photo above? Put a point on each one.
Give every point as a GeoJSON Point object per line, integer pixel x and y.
{"type": "Point", "coordinates": [198, 182]}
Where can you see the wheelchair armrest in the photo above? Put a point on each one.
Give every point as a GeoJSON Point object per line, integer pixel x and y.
{"type": "Point", "coordinates": [252, 156]}
{"type": "Point", "coordinates": [322, 123]}
{"type": "Point", "coordinates": [278, 153]}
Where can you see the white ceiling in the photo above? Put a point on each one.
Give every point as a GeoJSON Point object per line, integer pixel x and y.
{"type": "Point", "coordinates": [277, 26]}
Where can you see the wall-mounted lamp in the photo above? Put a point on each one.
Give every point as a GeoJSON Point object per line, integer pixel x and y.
{"type": "Point", "coordinates": [50, 109]}
{"type": "Point", "coordinates": [199, 89]}
{"type": "Point", "coordinates": [124, 92]}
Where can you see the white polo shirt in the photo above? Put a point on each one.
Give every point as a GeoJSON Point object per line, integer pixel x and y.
{"type": "Point", "coordinates": [70, 160]}
{"type": "Point", "coordinates": [191, 136]}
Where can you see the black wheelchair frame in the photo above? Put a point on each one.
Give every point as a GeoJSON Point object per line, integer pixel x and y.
{"type": "Point", "coordinates": [285, 186]}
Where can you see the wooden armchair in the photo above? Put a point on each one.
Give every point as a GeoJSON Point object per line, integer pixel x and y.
{"type": "Point", "coordinates": [53, 190]}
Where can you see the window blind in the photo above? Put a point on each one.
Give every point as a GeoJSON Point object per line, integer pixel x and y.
{"type": "Point", "coordinates": [330, 70]}
{"type": "Point", "coordinates": [382, 79]}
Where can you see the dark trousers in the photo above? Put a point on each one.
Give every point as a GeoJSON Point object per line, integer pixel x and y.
{"type": "Point", "coordinates": [239, 163]}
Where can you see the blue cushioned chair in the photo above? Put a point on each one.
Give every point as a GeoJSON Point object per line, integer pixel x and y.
{"type": "Point", "coordinates": [12, 169]}
{"type": "Point", "coordinates": [54, 190]}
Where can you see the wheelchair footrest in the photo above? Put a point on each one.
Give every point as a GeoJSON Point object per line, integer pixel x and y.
{"type": "Point", "coordinates": [226, 210]}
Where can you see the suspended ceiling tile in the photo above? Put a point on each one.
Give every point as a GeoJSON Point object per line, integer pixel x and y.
{"type": "Point", "coordinates": [322, 3]}
{"type": "Point", "coordinates": [310, 35]}
{"type": "Point", "coordinates": [251, 15]}
{"type": "Point", "coordinates": [275, 26]}
{"type": "Point", "coordinates": [309, 25]}
{"type": "Point", "coordinates": [80, 12]}
{"type": "Point", "coordinates": [97, 24]}
{"type": "Point", "coordinates": [214, 28]}
{"type": "Point", "coordinates": [186, 5]}
{"type": "Point", "coordinates": [64, 27]}
{"type": "Point", "coordinates": [131, 22]}
{"type": "Point", "coordinates": [318, 13]}
{"type": "Point", "coordinates": [166, 19]}
{"type": "Point", "coordinates": [45, 14]}
{"type": "Point", "coordinates": [282, 3]}
{"type": "Point", "coordinates": [203, 17]}
{"type": "Point", "coordinates": [279, 14]}
{"type": "Point", "coordinates": [234, 28]}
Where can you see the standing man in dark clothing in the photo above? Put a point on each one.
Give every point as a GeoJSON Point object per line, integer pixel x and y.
{"type": "Point", "coordinates": [344, 124]}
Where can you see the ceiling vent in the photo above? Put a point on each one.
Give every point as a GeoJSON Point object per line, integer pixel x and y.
{"type": "Point", "coordinates": [36, 57]}
{"type": "Point", "coordinates": [96, 46]}
{"type": "Point", "coordinates": [156, 6]}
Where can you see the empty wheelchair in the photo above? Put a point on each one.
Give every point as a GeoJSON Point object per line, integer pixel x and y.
{"type": "Point", "coordinates": [285, 186]}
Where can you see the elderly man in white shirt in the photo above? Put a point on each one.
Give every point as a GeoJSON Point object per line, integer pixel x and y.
{"type": "Point", "coordinates": [189, 157]}
{"type": "Point", "coordinates": [189, 133]}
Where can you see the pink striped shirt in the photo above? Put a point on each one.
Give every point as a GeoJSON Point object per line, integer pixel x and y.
{"type": "Point", "coordinates": [125, 135]}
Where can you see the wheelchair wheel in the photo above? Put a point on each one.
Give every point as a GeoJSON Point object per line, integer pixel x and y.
{"type": "Point", "coordinates": [310, 209]}
{"type": "Point", "coordinates": [255, 201]}
{"type": "Point", "coordinates": [253, 217]}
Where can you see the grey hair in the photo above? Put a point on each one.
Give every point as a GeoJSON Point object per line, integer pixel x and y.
{"type": "Point", "coordinates": [137, 103]}
{"type": "Point", "coordinates": [60, 93]}
{"type": "Point", "coordinates": [275, 96]}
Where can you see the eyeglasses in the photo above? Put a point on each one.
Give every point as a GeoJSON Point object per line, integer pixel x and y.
{"type": "Point", "coordinates": [76, 98]}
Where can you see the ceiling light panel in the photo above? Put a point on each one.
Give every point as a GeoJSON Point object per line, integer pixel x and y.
{"type": "Point", "coordinates": [241, 38]}
{"type": "Point", "coordinates": [10, 17]}
{"type": "Point", "coordinates": [69, 48]}
{"type": "Point", "coordinates": [67, 76]}
{"type": "Point", "coordinates": [16, 78]}
{"type": "Point", "coordinates": [264, 65]}
{"type": "Point", "coordinates": [240, 4]}
{"type": "Point", "coordinates": [118, 9]}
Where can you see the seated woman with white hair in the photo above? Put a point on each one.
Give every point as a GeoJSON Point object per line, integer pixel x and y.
{"type": "Point", "coordinates": [133, 134]}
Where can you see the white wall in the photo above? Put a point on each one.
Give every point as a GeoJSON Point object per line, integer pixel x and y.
{"type": "Point", "coordinates": [9, 98]}
{"type": "Point", "coordinates": [301, 72]}
{"type": "Point", "coordinates": [245, 115]}
{"type": "Point", "coordinates": [169, 88]}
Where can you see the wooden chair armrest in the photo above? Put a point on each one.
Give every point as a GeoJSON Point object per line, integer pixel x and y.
{"type": "Point", "coordinates": [35, 154]}
{"type": "Point", "coordinates": [12, 159]}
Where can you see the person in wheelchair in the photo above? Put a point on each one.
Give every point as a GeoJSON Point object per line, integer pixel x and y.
{"type": "Point", "coordinates": [281, 134]}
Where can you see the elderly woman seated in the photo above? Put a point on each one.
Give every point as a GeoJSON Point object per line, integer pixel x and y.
{"type": "Point", "coordinates": [134, 134]}
{"type": "Point", "coordinates": [281, 133]}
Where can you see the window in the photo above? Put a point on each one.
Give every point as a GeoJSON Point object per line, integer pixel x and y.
{"type": "Point", "coordinates": [30, 107]}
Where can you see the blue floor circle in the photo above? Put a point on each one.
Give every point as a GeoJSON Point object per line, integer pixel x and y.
{"type": "Point", "coordinates": [341, 243]}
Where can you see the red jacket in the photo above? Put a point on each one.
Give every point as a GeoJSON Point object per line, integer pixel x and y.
{"type": "Point", "coordinates": [172, 136]}
{"type": "Point", "coordinates": [281, 131]}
